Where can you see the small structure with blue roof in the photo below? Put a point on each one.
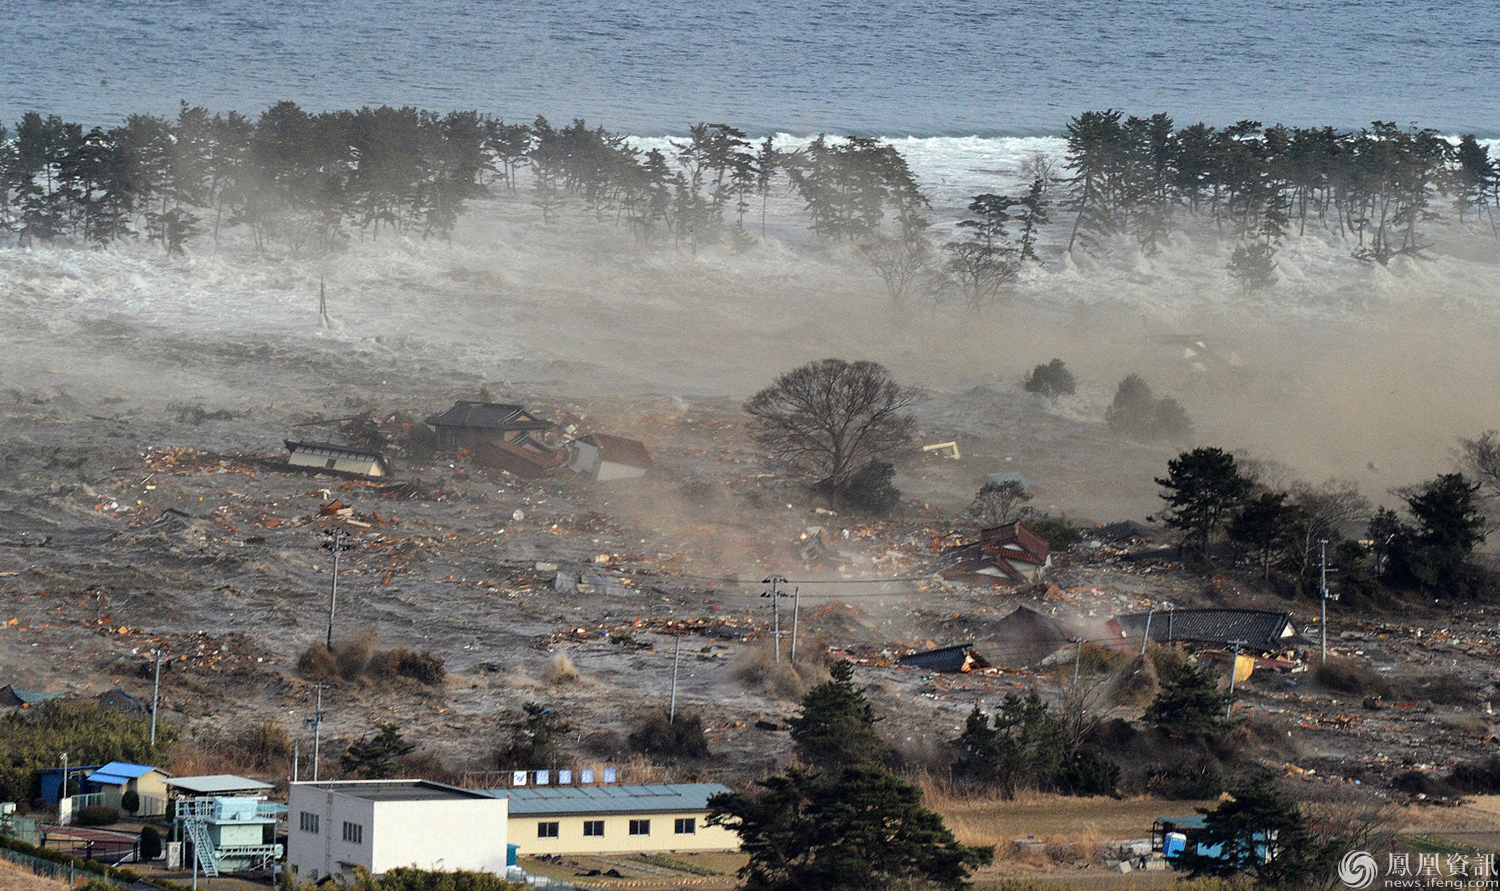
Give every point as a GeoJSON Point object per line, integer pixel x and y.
{"type": "Point", "coordinates": [116, 778]}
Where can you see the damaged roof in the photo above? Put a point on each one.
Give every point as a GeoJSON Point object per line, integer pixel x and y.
{"type": "Point", "coordinates": [994, 555]}
{"type": "Point", "coordinates": [488, 416]}
{"type": "Point", "coordinates": [619, 450]}
{"type": "Point", "coordinates": [955, 658]}
{"type": "Point", "coordinates": [1261, 630]}
{"type": "Point", "coordinates": [525, 461]}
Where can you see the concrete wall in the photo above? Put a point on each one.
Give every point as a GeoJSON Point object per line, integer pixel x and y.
{"type": "Point", "coordinates": [446, 834]}
{"type": "Point", "coordinates": [449, 834]}
{"type": "Point", "coordinates": [609, 470]}
{"type": "Point", "coordinates": [617, 838]}
{"type": "Point", "coordinates": [363, 466]}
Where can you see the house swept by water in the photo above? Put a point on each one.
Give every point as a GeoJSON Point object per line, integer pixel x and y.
{"type": "Point", "coordinates": [337, 459]}
{"type": "Point", "coordinates": [957, 659]}
{"type": "Point", "coordinates": [600, 456]}
{"type": "Point", "coordinates": [467, 424]}
{"type": "Point", "coordinates": [1253, 630]}
{"type": "Point", "coordinates": [1003, 555]}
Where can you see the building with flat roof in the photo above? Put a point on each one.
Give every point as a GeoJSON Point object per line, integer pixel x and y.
{"type": "Point", "coordinates": [384, 824]}
{"type": "Point", "coordinates": [615, 819]}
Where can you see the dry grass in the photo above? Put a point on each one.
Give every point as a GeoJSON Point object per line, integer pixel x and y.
{"type": "Point", "coordinates": [16, 878]}
{"type": "Point", "coordinates": [991, 820]}
{"type": "Point", "coordinates": [561, 672]}
{"type": "Point", "coordinates": [757, 668]}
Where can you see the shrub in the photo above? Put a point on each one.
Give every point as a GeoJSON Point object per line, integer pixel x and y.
{"type": "Point", "coordinates": [405, 662]}
{"type": "Point", "coordinates": [1051, 380]}
{"type": "Point", "coordinates": [1353, 678]}
{"type": "Point", "coordinates": [1060, 532]}
{"type": "Point", "coordinates": [1136, 412]}
{"type": "Point", "coordinates": [1089, 774]}
{"type": "Point", "coordinates": [352, 657]}
{"type": "Point", "coordinates": [265, 742]}
{"type": "Point", "coordinates": [561, 670]}
{"type": "Point", "coordinates": [96, 815]}
{"type": "Point", "coordinates": [870, 490]}
{"type": "Point", "coordinates": [316, 663]}
{"type": "Point", "coordinates": [682, 738]}
{"type": "Point", "coordinates": [150, 843]}
{"type": "Point", "coordinates": [130, 802]}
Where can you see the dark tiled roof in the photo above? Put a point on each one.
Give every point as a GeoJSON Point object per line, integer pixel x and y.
{"type": "Point", "coordinates": [525, 462]}
{"type": "Point", "coordinates": [1032, 547]}
{"type": "Point", "coordinates": [955, 658]}
{"type": "Point", "coordinates": [488, 416]}
{"type": "Point", "coordinates": [1261, 630]}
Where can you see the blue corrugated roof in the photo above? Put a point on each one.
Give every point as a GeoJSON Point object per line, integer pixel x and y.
{"type": "Point", "coordinates": [562, 800]}
{"type": "Point", "coordinates": [118, 773]}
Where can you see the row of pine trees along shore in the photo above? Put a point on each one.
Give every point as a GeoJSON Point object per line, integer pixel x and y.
{"type": "Point", "coordinates": [308, 182]}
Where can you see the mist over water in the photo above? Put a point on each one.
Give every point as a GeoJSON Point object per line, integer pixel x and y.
{"type": "Point", "coordinates": [945, 68]}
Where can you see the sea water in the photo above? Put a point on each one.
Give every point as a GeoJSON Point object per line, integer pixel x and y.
{"type": "Point", "coordinates": [899, 68]}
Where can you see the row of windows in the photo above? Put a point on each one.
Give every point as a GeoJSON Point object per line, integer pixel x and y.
{"type": "Point", "coordinates": [595, 828]}
{"type": "Point", "coordinates": [310, 822]}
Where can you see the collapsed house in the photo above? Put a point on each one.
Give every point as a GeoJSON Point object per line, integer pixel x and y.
{"type": "Point", "coordinates": [1026, 637]}
{"type": "Point", "coordinates": [600, 456]}
{"type": "Point", "coordinates": [1003, 555]}
{"type": "Point", "coordinates": [527, 459]}
{"type": "Point", "coordinates": [468, 424]}
{"type": "Point", "coordinates": [955, 659]}
{"type": "Point", "coordinates": [1253, 630]}
{"type": "Point", "coordinates": [339, 459]}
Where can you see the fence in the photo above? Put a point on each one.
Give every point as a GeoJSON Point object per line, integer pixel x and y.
{"type": "Point", "coordinates": [62, 872]}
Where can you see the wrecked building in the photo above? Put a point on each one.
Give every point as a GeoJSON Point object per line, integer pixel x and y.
{"type": "Point", "coordinates": [1003, 555]}
{"type": "Point", "coordinates": [337, 459]}
{"type": "Point", "coordinates": [1255, 630]}
{"type": "Point", "coordinates": [526, 459]}
{"type": "Point", "coordinates": [467, 424]}
{"type": "Point", "coordinates": [957, 659]}
{"type": "Point", "coordinates": [600, 456]}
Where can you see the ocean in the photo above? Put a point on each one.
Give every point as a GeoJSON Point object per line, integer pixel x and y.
{"type": "Point", "coordinates": [934, 68]}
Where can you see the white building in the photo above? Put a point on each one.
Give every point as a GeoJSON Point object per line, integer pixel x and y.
{"type": "Point", "coordinates": [384, 824]}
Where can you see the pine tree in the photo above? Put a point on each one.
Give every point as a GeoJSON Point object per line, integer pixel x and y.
{"type": "Point", "coordinates": [837, 724]}
{"type": "Point", "coordinates": [1203, 488]}
{"type": "Point", "coordinates": [1190, 703]}
{"type": "Point", "coordinates": [376, 757]}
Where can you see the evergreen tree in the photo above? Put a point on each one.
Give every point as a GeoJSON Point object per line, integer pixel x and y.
{"type": "Point", "coordinates": [375, 757]}
{"type": "Point", "coordinates": [1260, 834]}
{"type": "Point", "coordinates": [857, 828]}
{"type": "Point", "coordinates": [837, 725]}
{"type": "Point", "coordinates": [1267, 526]}
{"type": "Point", "coordinates": [1448, 528]}
{"type": "Point", "coordinates": [1190, 703]}
{"type": "Point", "coordinates": [534, 737]}
{"type": "Point", "coordinates": [1203, 488]}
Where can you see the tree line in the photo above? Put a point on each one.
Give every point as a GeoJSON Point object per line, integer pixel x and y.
{"type": "Point", "coordinates": [308, 180]}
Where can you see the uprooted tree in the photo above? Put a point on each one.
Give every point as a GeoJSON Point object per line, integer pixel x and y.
{"type": "Point", "coordinates": [831, 419]}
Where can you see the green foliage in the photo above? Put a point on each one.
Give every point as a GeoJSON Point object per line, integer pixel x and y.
{"type": "Point", "coordinates": [837, 725]}
{"type": "Point", "coordinates": [1137, 413]}
{"type": "Point", "coordinates": [150, 843]}
{"type": "Point", "coordinates": [848, 187]}
{"type": "Point", "coordinates": [682, 738]}
{"type": "Point", "coordinates": [1190, 703]}
{"type": "Point", "coordinates": [130, 802]}
{"type": "Point", "coordinates": [93, 867]}
{"type": "Point", "coordinates": [1448, 526]}
{"type": "Point", "coordinates": [1051, 380]}
{"type": "Point", "coordinates": [859, 828]}
{"type": "Point", "coordinates": [870, 491]}
{"type": "Point", "coordinates": [1028, 747]}
{"type": "Point", "coordinates": [407, 878]}
{"type": "Point", "coordinates": [377, 757]}
{"type": "Point", "coordinates": [96, 815]}
{"type": "Point", "coordinates": [1060, 532]}
{"type": "Point", "coordinates": [1263, 837]}
{"type": "Point", "coordinates": [1253, 266]}
{"type": "Point", "coordinates": [1266, 525]}
{"type": "Point", "coordinates": [31, 740]}
{"type": "Point", "coordinates": [1202, 489]}
{"type": "Point", "coordinates": [534, 736]}
{"type": "Point", "coordinates": [999, 503]}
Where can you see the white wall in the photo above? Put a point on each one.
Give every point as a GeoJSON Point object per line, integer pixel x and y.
{"type": "Point", "coordinates": [448, 834]}
{"type": "Point", "coordinates": [324, 851]}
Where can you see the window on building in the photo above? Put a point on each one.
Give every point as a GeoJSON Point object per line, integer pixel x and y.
{"type": "Point", "coordinates": [546, 829]}
{"type": "Point", "coordinates": [685, 826]}
{"type": "Point", "coordinates": [593, 828]}
{"type": "Point", "coordinates": [354, 833]}
{"type": "Point", "coordinates": [309, 822]}
{"type": "Point", "coordinates": [640, 827]}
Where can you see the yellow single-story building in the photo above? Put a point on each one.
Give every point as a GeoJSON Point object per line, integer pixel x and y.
{"type": "Point", "coordinates": [615, 819]}
{"type": "Point", "coordinates": [116, 778]}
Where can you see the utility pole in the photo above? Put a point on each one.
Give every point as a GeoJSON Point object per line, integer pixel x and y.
{"type": "Point", "coordinates": [315, 724]}
{"type": "Point", "coordinates": [1234, 664]}
{"type": "Point", "coordinates": [1146, 635]}
{"type": "Point", "coordinates": [676, 660]}
{"type": "Point", "coordinates": [335, 543]}
{"type": "Point", "coordinates": [65, 777]}
{"type": "Point", "coordinates": [1323, 599]}
{"type": "Point", "coordinates": [155, 697]}
{"type": "Point", "coordinates": [796, 607]}
{"type": "Point", "coordinates": [296, 758]}
{"type": "Point", "coordinates": [775, 595]}
{"type": "Point", "coordinates": [1077, 660]}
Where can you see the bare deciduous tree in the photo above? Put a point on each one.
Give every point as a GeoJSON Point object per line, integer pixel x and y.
{"type": "Point", "coordinates": [1480, 459]}
{"type": "Point", "coordinates": [831, 418]}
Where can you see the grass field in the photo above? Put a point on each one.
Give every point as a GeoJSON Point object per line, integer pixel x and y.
{"type": "Point", "coordinates": [994, 821]}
